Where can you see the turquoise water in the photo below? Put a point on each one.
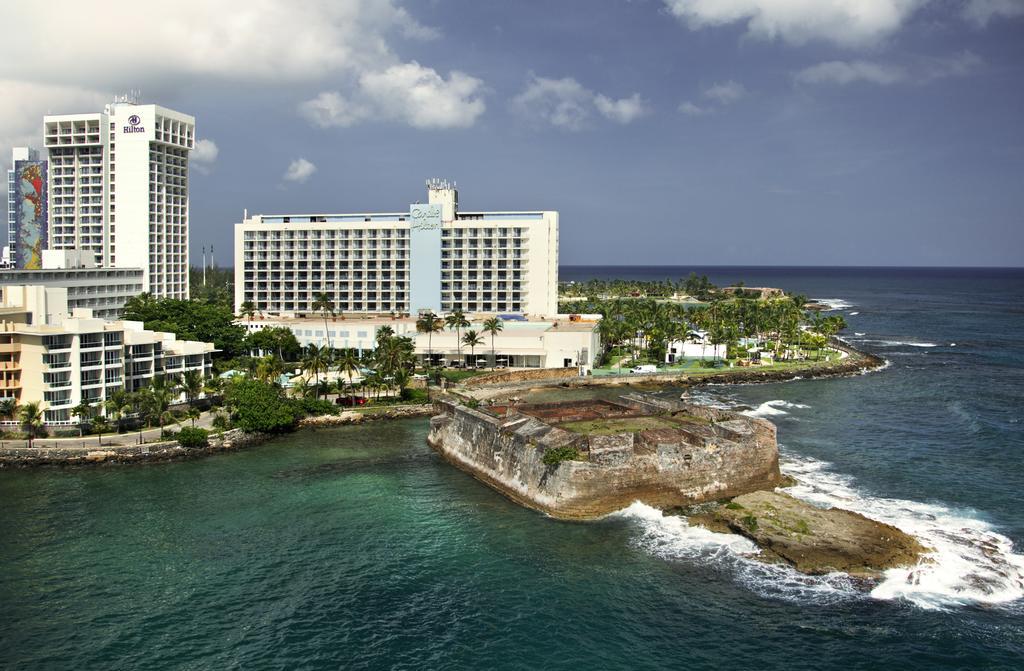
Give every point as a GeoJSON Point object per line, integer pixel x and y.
{"type": "Point", "coordinates": [359, 548]}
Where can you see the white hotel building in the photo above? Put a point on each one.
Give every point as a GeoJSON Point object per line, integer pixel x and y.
{"type": "Point", "coordinates": [429, 257]}
{"type": "Point", "coordinates": [118, 187]}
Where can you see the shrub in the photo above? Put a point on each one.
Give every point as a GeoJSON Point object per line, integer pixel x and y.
{"type": "Point", "coordinates": [221, 422]}
{"type": "Point", "coordinates": [557, 455]}
{"type": "Point", "coordinates": [316, 406]}
{"type": "Point", "coordinates": [193, 437]}
{"type": "Point", "coordinates": [261, 407]}
{"type": "Point", "coordinates": [415, 395]}
{"type": "Point", "coordinates": [750, 522]}
{"type": "Point", "coordinates": [732, 505]}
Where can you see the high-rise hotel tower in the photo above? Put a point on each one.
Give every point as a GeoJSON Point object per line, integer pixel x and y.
{"type": "Point", "coordinates": [430, 256]}
{"type": "Point", "coordinates": [118, 187]}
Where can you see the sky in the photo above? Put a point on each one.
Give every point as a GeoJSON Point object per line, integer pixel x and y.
{"type": "Point", "coordinates": [665, 132]}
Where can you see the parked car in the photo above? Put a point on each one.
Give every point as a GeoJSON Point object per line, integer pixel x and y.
{"type": "Point", "coordinates": [350, 401]}
{"type": "Point", "coordinates": [643, 369]}
{"type": "Point", "coordinates": [419, 376]}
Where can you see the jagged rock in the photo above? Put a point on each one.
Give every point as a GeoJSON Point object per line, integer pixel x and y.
{"type": "Point", "coordinates": [815, 540]}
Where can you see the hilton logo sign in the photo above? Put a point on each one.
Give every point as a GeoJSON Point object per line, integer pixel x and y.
{"type": "Point", "coordinates": [134, 125]}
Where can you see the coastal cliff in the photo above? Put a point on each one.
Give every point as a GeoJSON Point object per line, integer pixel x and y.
{"type": "Point", "coordinates": [663, 453]}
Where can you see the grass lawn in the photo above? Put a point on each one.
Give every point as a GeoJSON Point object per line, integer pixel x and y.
{"type": "Point", "coordinates": [607, 427]}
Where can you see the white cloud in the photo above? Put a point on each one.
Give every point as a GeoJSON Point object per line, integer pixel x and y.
{"type": "Point", "coordinates": [203, 155]}
{"type": "Point", "coordinates": [408, 93]}
{"type": "Point", "coordinates": [848, 72]}
{"type": "Point", "coordinates": [624, 110]}
{"type": "Point", "coordinates": [22, 106]}
{"type": "Point", "coordinates": [299, 170]}
{"type": "Point", "coordinates": [565, 103]}
{"type": "Point", "coordinates": [920, 72]}
{"type": "Point", "coordinates": [247, 40]}
{"type": "Point", "coordinates": [689, 108]}
{"type": "Point", "coordinates": [725, 93]}
{"type": "Point", "coordinates": [980, 12]}
{"type": "Point", "coordinates": [849, 23]}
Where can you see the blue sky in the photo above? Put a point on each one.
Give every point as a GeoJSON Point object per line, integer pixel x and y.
{"type": "Point", "coordinates": [855, 132]}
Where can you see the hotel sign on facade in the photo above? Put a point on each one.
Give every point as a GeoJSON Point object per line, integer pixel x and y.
{"type": "Point", "coordinates": [425, 257]}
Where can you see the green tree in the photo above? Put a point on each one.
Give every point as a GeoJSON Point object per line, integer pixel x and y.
{"type": "Point", "coordinates": [117, 405]}
{"type": "Point", "coordinates": [348, 364]}
{"type": "Point", "coordinates": [471, 338]}
{"type": "Point", "coordinates": [30, 416]}
{"type": "Point", "coordinates": [8, 406]}
{"type": "Point", "coordinates": [192, 385]}
{"type": "Point", "coordinates": [494, 326]}
{"type": "Point", "coordinates": [190, 320]}
{"type": "Point", "coordinates": [100, 425]}
{"type": "Point", "coordinates": [259, 407]}
{"type": "Point", "coordinates": [83, 411]}
{"type": "Point", "coordinates": [323, 304]}
{"type": "Point", "coordinates": [315, 360]}
{"type": "Point", "coordinates": [157, 399]}
{"type": "Point", "coordinates": [457, 321]}
{"type": "Point", "coordinates": [430, 324]}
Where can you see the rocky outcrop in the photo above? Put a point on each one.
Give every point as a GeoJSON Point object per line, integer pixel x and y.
{"type": "Point", "coordinates": [691, 455]}
{"type": "Point", "coordinates": [353, 417]}
{"type": "Point", "coordinates": [815, 540]}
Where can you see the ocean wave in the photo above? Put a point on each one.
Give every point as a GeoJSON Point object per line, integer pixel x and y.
{"type": "Point", "coordinates": [900, 343]}
{"type": "Point", "coordinates": [773, 408]}
{"type": "Point", "coordinates": [854, 314]}
{"type": "Point", "coordinates": [858, 333]}
{"type": "Point", "coordinates": [834, 303]}
{"type": "Point", "coordinates": [968, 561]}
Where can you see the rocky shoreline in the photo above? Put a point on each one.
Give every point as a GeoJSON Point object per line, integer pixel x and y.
{"type": "Point", "coordinates": [170, 450]}
{"type": "Point", "coordinates": [813, 540]}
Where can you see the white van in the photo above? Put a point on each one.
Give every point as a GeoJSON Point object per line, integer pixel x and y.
{"type": "Point", "coordinates": [646, 368]}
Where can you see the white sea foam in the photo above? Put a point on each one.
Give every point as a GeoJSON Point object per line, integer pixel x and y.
{"type": "Point", "coordinates": [854, 314]}
{"type": "Point", "coordinates": [968, 561]}
{"type": "Point", "coordinates": [900, 343]}
{"type": "Point", "coordinates": [834, 303]}
{"type": "Point", "coordinates": [858, 333]}
{"type": "Point", "coordinates": [773, 408]}
{"type": "Point", "coordinates": [673, 538]}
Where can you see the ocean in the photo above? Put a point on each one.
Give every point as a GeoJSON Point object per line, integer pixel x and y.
{"type": "Point", "coordinates": [359, 548]}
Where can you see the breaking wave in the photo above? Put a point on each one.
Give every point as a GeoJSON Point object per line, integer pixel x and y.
{"type": "Point", "coordinates": [773, 408]}
{"type": "Point", "coordinates": [834, 303]}
{"type": "Point", "coordinates": [969, 562]}
{"type": "Point", "coordinates": [899, 343]}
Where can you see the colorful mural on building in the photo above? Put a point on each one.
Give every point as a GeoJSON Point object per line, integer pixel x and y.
{"type": "Point", "coordinates": [30, 214]}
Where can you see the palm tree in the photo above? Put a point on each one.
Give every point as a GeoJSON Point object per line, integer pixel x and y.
{"type": "Point", "coordinates": [8, 406]}
{"type": "Point", "coordinates": [117, 405]}
{"type": "Point", "coordinates": [194, 414]}
{"type": "Point", "coordinates": [315, 360]}
{"type": "Point", "coordinates": [457, 321]}
{"type": "Point", "coordinates": [30, 416]}
{"type": "Point", "coordinates": [348, 363]}
{"type": "Point", "coordinates": [192, 385]}
{"type": "Point", "coordinates": [100, 426]}
{"type": "Point", "coordinates": [323, 304]}
{"type": "Point", "coordinates": [430, 324]}
{"type": "Point", "coordinates": [472, 338]}
{"type": "Point", "coordinates": [494, 325]}
{"type": "Point", "coordinates": [384, 333]}
{"type": "Point", "coordinates": [159, 395]}
{"type": "Point", "coordinates": [402, 378]}
{"type": "Point", "coordinates": [248, 310]}
{"type": "Point", "coordinates": [83, 411]}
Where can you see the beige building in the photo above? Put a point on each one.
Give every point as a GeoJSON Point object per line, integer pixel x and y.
{"type": "Point", "coordinates": [62, 359]}
{"type": "Point", "coordinates": [555, 342]}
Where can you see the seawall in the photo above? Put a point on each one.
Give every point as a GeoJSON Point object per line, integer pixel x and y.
{"type": "Point", "coordinates": [725, 454]}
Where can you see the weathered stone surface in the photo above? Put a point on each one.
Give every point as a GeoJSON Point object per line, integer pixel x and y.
{"type": "Point", "coordinates": [814, 540]}
{"type": "Point", "coordinates": [663, 468]}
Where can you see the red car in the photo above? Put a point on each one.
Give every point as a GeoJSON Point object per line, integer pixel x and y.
{"type": "Point", "coordinates": [350, 400]}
